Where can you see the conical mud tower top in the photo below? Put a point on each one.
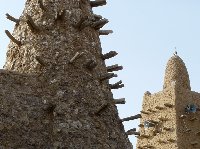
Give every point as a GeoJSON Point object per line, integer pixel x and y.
{"type": "Point", "coordinates": [176, 72]}
{"type": "Point", "coordinates": [55, 91]}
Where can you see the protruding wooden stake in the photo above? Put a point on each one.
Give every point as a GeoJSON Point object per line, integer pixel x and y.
{"type": "Point", "coordinates": [60, 16]}
{"type": "Point", "coordinates": [76, 56]}
{"type": "Point", "coordinates": [193, 119]}
{"type": "Point", "coordinates": [120, 101]}
{"type": "Point", "coordinates": [101, 108]}
{"type": "Point", "coordinates": [143, 112]}
{"type": "Point", "coordinates": [167, 129]}
{"type": "Point", "coordinates": [162, 141]}
{"type": "Point", "coordinates": [159, 108]}
{"type": "Point", "coordinates": [99, 24]}
{"type": "Point", "coordinates": [11, 18]}
{"type": "Point", "coordinates": [132, 132]}
{"type": "Point", "coordinates": [171, 140]}
{"type": "Point", "coordinates": [31, 24]}
{"type": "Point", "coordinates": [91, 64]}
{"type": "Point", "coordinates": [132, 117]}
{"type": "Point", "coordinates": [105, 32]}
{"type": "Point", "coordinates": [150, 110]}
{"type": "Point", "coordinates": [194, 143]}
{"type": "Point", "coordinates": [168, 105]}
{"type": "Point", "coordinates": [109, 55]}
{"type": "Point", "coordinates": [13, 38]}
{"type": "Point", "coordinates": [107, 76]}
{"type": "Point", "coordinates": [97, 17]}
{"type": "Point", "coordinates": [117, 85]}
{"type": "Point", "coordinates": [140, 125]}
{"type": "Point", "coordinates": [40, 60]}
{"type": "Point", "coordinates": [80, 25]}
{"type": "Point", "coordinates": [40, 2]}
{"type": "Point", "coordinates": [114, 68]}
{"type": "Point", "coordinates": [98, 3]}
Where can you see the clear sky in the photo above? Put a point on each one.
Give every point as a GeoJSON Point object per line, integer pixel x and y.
{"type": "Point", "coordinates": [145, 34]}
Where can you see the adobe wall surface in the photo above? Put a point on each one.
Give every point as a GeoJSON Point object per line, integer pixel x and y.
{"type": "Point", "coordinates": [68, 103]}
{"type": "Point", "coordinates": [188, 127]}
{"type": "Point", "coordinates": [163, 134]}
{"type": "Point", "coordinates": [38, 113]}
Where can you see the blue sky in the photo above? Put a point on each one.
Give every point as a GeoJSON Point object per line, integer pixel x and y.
{"type": "Point", "coordinates": [145, 34]}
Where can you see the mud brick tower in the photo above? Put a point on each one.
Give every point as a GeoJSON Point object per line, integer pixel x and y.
{"type": "Point", "coordinates": [54, 88]}
{"type": "Point", "coordinates": [171, 118]}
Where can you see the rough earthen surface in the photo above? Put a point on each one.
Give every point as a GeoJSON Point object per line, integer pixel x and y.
{"type": "Point", "coordinates": [174, 127]}
{"type": "Point", "coordinates": [49, 100]}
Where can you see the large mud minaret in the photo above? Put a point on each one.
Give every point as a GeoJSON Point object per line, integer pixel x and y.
{"type": "Point", "coordinates": [54, 90]}
{"type": "Point", "coordinates": [170, 118]}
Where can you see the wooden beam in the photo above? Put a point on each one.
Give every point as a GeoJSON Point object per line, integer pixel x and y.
{"type": "Point", "coordinates": [33, 27]}
{"type": "Point", "coordinates": [114, 68]}
{"type": "Point", "coordinates": [11, 18]}
{"type": "Point", "coordinates": [91, 64]}
{"type": "Point", "coordinates": [76, 56]}
{"type": "Point", "coordinates": [107, 76]}
{"type": "Point", "coordinates": [132, 117]}
{"type": "Point", "coordinates": [13, 38]}
{"type": "Point", "coordinates": [117, 85]}
{"type": "Point", "coordinates": [109, 55]}
{"type": "Point", "coordinates": [98, 3]}
{"type": "Point", "coordinates": [99, 24]}
{"type": "Point", "coordinates": [105, 32]}
{"type": "Point", "coordinates": [120, 101]}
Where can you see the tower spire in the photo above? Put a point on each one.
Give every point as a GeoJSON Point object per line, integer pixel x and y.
{"type": "Point", "coordinates": [176, 72]}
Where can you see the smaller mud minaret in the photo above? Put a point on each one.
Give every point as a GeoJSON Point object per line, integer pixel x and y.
{"type": "Point", "coordinates": [170, 118]}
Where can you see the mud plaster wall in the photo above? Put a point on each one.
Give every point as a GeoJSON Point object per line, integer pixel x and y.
{"type": "Point", "coordinates": [164, 131]}
{"type": "Point", "coordinates": [188, 128]}
{"type": "Point", "coordinates": [58, 104]}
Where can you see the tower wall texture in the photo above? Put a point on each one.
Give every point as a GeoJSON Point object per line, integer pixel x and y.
{"type": "Point", "coordinates": [170, 118]}
{"type": "Point", "coordinates": [51, 96]}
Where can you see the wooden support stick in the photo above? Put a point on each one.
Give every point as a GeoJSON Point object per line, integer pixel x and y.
{"type": "Point", "coordinates": [80, 25]}
{"type": "Point", "coordinates": [76, 56]}
{"type": "Point", "coordinates": [168, 105]}
{"type": "Point", "coordinates": [105, 32]}
{"type": "Point", "coordinates": [171, 140]}
{"type": "Point", "coordinates": [101, 108]}
{"type": "Point", "coordinates": [143, 112]}
{"type": "Point", "coordinates": [31, 24]}
{"type": "Point", "coordinates": [150, 110]}
{"type": "Point", "coordinates": [91, 64]}
{"type": "Point", "coordinates": [159, 108]}
{"type": "Point", "coordinates": [97, 17]}
{"type": "Point", "coordinates": [40, 2]}
{"type": "Point", "coordinates": [11, 18]}
{"type": "Point", "coordinates": [132, 132]}
{"type": "Point", "coordinates": [117, 85]}
{"type": "Point", "coordinates": [13, 38]}
{"type": "Point", "coordinates": [194, 143]}
{"type": "Point", "coordinates": [109, 55]}
{"type": "Point", "coordinates": [193, 119]}
{"type": "Point", "coordinates": [114, 68]}
{"type": "Point", "coordinates": [98, 3]}
{"type": "Point", "coordinates": [132, 117]}
{"type": "Point", "coordinates": [140, 125]}
{"type": "Point", "coordinates": [60, 16]}
{"type": "Point", "coordinates": [99, 24]}
{"type": "Point", "coordinates": [167, 129]}
{"type": "Point", "coordinates": [120, 101]}
{"type": "Point", "coordinates": [107, 76]}
{"type": "Point", "coordinates": [163, 119]}
{"type": "Point", "coordinates": [40, 60]}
